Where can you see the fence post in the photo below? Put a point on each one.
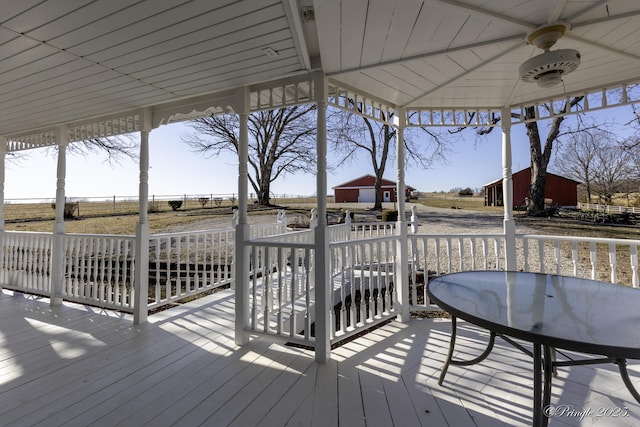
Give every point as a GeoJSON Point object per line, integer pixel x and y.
{"type": "Point", "coordinates": [414, 219]}
{"type": "Point", "coordinates": [313, 221]}
{"type": "Point", "coordinates": [347, 224]}
{"type": "Point", "coordinates": [281, 220]}
{"type": "Point", "coordinates": [235, 218]}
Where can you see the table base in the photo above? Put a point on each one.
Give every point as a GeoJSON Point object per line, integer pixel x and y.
{"type": "Point", "coordinates": [544, 368]}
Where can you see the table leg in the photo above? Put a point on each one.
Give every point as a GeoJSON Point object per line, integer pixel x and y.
{"type": "Point", "coordinates": [549, 372]}
{"type": "Point", "coordinates": [450, 361]}
{"type": "Point", "coordinates": [452, 344]}
{"type": "Point", "coordinates": [542, 375]}
{"type": "Point", "coordinates": [622, 367]}
{"type": "Point", "coordinates": [537, 385]}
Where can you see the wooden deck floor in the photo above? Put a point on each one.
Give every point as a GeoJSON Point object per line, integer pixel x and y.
{"type": "Point", "coordinates": [77, 366]}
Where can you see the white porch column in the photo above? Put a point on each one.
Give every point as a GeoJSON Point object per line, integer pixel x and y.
{"type": "Point", "coordinates": [3, 157]}
{"type": "Point", "coordinates": [59, 228]}
{"type": "Point", "coordinates": [141, 278]}
{"type": "Point", "coordinates": [322, 277]}
{"type": "Point", "coordinates": [241, 257]}
{"type": "Point", "coordinates": [402, 250]}
{"type": "Point", "coordinates": [507, 193]}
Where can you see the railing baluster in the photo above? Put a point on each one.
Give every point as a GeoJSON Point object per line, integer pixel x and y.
{"type": "Point", "coordinates": [556, 255]}
{"type": "Point", "coordinates": [634, 265]}
{"type": "Point", "coordinates": [592, 258]}
{"type": "Point", "coordinates": [613, 263]}
{"type": "Point", "coordinates": [574, 257]}
{"type": "Point", "coordinates": [472, 243]}
{"type": "Point", "coordinates": [541, 244]}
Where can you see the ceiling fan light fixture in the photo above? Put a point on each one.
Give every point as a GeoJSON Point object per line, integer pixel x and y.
{"type": "Point", "coordinates": [546, 36]}
{"type": "Point", "coordinates": [548, 68]}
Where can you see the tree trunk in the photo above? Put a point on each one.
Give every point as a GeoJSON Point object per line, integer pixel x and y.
{"type": "Point", "coordinates": [538, 168]}
{"type": "Point", "coordinates": [540, 156]}
{"type": "Point", "coordinates": [378, 189]}
{"type": "Point", "coordinates": [264, 195]}
{"type": "Point", "coordinates": [537, 190]}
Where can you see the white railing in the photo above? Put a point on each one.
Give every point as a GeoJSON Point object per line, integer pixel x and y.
{"type": "Point", "coordinates": [367, 230]}
{"type": "Point", "coordinates": [99, 270]}
{"type": "Point", "coordinates": [339, 232]}
{"type": "Point", "coordinates": [189, 263]}
{"type": "Point", "coordinates": [25, 261]}
{"type": "Point", "coordinates": [433, 255]}
{"type": "Point", "coordinates": [362, 279]}
{"type": "Point", "coordinates": [281, 291]}
{"type": "Point", "coordinates": [608, 208]}
{"type": "Point", "coordinates": [586, 257]}
{"type": "Point", "coordinates": [257, 231]}
{"type": "Point", "coordinates": [300, 236]}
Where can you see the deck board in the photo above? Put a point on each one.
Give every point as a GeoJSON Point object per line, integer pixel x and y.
{"type": "Point", "coordinates": [76, 366]}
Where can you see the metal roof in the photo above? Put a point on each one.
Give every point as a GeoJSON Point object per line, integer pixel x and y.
{"type": "Point", "coordinates": [93, 65]}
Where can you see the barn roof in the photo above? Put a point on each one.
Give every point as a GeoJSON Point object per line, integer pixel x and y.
{"type": "Point", "coordinates": [525, 170]}
{"type": "Point", "coordinates": [366, 181]}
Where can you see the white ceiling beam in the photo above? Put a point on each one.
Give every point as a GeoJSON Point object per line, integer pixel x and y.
{"type": "Point", "coordinates": [609, 18]}
{"type": "Point", "coordinates": [519, 37]}
{"type": "Point", "coordinates": [557, 11]}
{"type": "Point", "coordinates": [586, 10]}
{"type": "Point", "coordinates": [293, 15]}
{"type": "Point", "coordinates": [619, 52]}
{"type": "Point", "coordinates": [476, 9]}
{"type": "Point", "coordinates": [458, 77]}
{"type": "Point", "coordinates": [83, 59]}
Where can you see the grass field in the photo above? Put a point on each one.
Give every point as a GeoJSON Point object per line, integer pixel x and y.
{"type": "Point", "coordinates": [452, 201]}
{"type": "Point", "coordinates": [121, 217]}
{"type": "Point", "coordinates": [108, 217]}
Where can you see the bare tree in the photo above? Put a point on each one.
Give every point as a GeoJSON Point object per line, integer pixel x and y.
{"type": "Point", "coordinates": [352, 134]}
{"type": "Point", "coordinates": [540, 150]}
{"type": "Point", "coordinates": [577, 156]}
{"type": "Point", "coordinates": [281, 141]}
{"type": "Point", "coordinates": [115, 148]}
{"type": "Point", "coordinates": [612, 171]}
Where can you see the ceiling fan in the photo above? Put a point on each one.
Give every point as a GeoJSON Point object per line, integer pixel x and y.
{"type": "Point", "coordinates": [548, 68]}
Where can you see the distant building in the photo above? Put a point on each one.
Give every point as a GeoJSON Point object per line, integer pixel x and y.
{"type": "Point", "coordinates": [559, 190]}
{"type": "Point", "coordinates": [361, 190]}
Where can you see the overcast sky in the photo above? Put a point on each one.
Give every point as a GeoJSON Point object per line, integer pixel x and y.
{"type": "Point", "coordinates": [175, 170]}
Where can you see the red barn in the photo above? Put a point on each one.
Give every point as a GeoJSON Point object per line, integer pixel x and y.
{"type": "Point", "coordinates": [361, 190]}
{"type": "Point", "coordinates": [559, 190]}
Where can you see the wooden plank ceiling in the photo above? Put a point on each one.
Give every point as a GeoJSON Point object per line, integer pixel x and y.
{"type": "Point", "coordinates": [63, 61]}
{"type": "Point", "coordinates": [466, 54]}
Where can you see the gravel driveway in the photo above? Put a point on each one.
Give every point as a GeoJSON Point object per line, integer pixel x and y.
{"type": "Point", "coordinates": [431, 220]}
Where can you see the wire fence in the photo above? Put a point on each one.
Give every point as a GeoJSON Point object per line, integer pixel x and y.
{"type": "Point", "coordinates": [30, 209]}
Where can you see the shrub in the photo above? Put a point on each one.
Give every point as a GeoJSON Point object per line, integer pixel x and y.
{"type": "Point", "coordinates": [465, 192]}
{"type": "Point", "coordinates": [153, 207]}
{"type": "Point", "coordinates": [390, 216]}
{"type": "Point", "coordinates": [70, 209]}
{"type": "Point", "coordinates": [175, 204]}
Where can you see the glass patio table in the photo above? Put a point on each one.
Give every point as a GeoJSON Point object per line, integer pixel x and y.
{"type": "Point", "coordinates": [549, 311]}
